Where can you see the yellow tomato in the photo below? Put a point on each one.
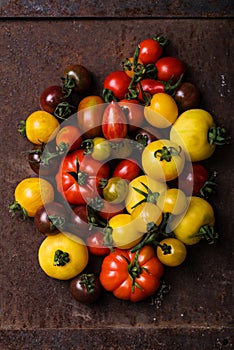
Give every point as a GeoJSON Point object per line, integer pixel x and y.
{"type": "Point", "coordinates": [143, 189]}
{"type": "Point", "coordinates": [144, 214]}
{"type": "Point", "coordinates": [163, 160]}
{"type": "Point", "coordinates": [124, 233]}
{"type": "Point", "coordinates": [173, 201]}
{"type": "Point", "coordinates": [63, 256]}
{"type": "Point", "coordinates": [31, 194]}
{"type": "Point", "coordinates": [162, 111]}
{"type": "Point", "coordinates": [40, 127]}
{"type": "Point", "coordinates": [171, 252]}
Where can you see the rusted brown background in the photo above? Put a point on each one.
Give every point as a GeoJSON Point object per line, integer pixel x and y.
{"type": "Point", "coordinates": [38, 312]}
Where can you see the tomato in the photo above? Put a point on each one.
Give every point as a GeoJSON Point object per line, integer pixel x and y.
{"type": "Point", "coordinates": [30, 195]}
{"type": "Point", "coordinates": [79, 221]}
{"type": "Point", "coordinates": [79, 176]}
{"type": "Point", "coordinates": [144, 136]}
{"type": "Point", "coordinates": [40, 127]}
{"type": "Point", "coordinates": [162, 111]}
{"type": "Point", "coordinates": [44, 160]}
{"type": "Point", "coordinates": [127, 169]}
{"type": "Point", "coordinates": [108, 210]}
{"type": "Point", "coordinates": [76, 78]}
{"type": "Point", "coordinates": [143, 189]}
{"type": "Point", "coordinates": [115, 190]}
{"type": "Point", "coordinates": [51, 97]}
{"type": "Point", "coordinates": [121, 148]}
{"type": "Point", "coordinates": [198, 134]}
{"type": "Point", "coordinates": [114, 122]}
{"type": "Point", "coordinates": [86, 288]}
{"type": "Point", "coordinates": [63, 256]}
{"type": "Point", "coordinates": [50, 218]}
{"type": "Point", "coordinates": [96, 245]}
{"type": "Point", "coordinates": [144, 214]}
{"type": "Point", "coordinates": [89, 116]}
{"type": "Point", "coordinates": [131, 276]}
{"type": "Point", "coordinates": [134, 113]}
{"type": "Point", "coordinates": [70, 136]}
{"type": "Point", "coordinates": [151, 49]}
{"type": "Point", "coordinates": [196, 223]}
{"type": "Point", "coordinates": [195, 180]}
{"type": "Point", "coordinates": [117, 82]}
{"type": "Point", "coordinates": [99, 148]}
{"type": "Point", "coordinates": [187, 96]}
{"type": "Point", "coordinates": [173, 201]}
{"type": "Point", "coordinates": [148, 87]}
{"type": "Point", "coordinates": [163, 160]}
{"type": "Point", "coordinates": [129, 66]}
{"type": "Point", "coordinates": [171, 252]}
{"type": "Point", "coordinates": [170, 69]}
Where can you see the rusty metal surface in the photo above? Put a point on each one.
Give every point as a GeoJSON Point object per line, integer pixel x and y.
{"type": "Point", "coordinates": [38, 312]}
{"type": "Point", "coordinates": [122, 8]}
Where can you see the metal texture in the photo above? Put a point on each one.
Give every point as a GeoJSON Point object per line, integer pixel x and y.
{"type": "Point", "coordinates": [122, 8]}
{"type": "Point", "coordinates": [38, 312]}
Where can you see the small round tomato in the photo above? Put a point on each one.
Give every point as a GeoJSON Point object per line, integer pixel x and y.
{"type": "Point", "coordinates": [162, 111]}
{"type": "Point", "coordinates": [40, 127]}
{"type": "Point", "coordinates": [163, 160]}
{"type": "Point", "coordinates": [70, 136]}
{"type": "Point", "coordinates": [86, 288]}
{"type": "Point", "coordinates": [117, 82]}
{"type": "Point", "coordinates": [30, 195]}
{"type": "Point", "coordinates": [127, 169]}
{"type": "Point", "coordinates": [99, 148]}
{"type": "Point", "coordinates": [187, 96]}
{"type": "Point", "coordinates": [150, 50]}
{"type": "Point", "coordinates": [144, 214]}
{"type": "Point", "coordinates": [50, 218]}
{"type": "Point", "coordinates": [79, 221]}
{"type": "Point", "coordinates": [171, 252]}
{"type": "Point", "coordinates": [44, 160]}
{"type": "Point", "coordinates": [77, 78]}
{"type": "Point", "coordinates": [115, 190]}
{"type": "Point", "coordinates": [134, 113]}
{"type": "Point", "coordinates": [114, 122]}
{"type": "Point", "coordinates": [63, 256]}
{"type": "Point", "coordinates": [96, 245]}
{"type": "Point", "coordinates": [146, 135]}
{"type": "Point", "coordinates": [170, 69]}
{"type": "Point", "coordinates": [51, 97]}
{"type": "Point", "coordinates": [173, 201]}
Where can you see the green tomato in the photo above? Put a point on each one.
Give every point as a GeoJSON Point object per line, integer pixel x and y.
{"type": "Point", "coordinates": [115, 190]}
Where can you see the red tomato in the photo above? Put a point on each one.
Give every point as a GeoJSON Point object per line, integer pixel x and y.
{"type": "Point", "coordinates": [79, 176]}
{"type": "Point", "coordinates": [134, 113]}
{"type": "Point", "coordinates": [130, 276]}
{"type": "Point", "coordinates": [51, 97]}
{"type": "Point", "coordinates": [146, 88]}
{"type": "Point", "coordinates": [150, 51]}
{"type": "Point", "coordinates": [114, 122]}
{"type": "Point", "coordinates": [118, 82]}
{"type": "Point", "coordinates": [127, 169]}
{"type": "Point", "coordinates": [170, 68]}
{"type": "Point", "coordinates": [95, 244]}
{"type": "Point", "coordinates": [109, 210]}
{"type": "Point", "coordinates": [69, 135]}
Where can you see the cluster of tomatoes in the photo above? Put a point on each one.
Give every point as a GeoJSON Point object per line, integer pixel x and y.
{"type": "Point", "coordinates": [119, 176]}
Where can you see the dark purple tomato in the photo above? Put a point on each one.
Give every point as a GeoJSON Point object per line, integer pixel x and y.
{"type": "Point", "coordinates": [79, 221]}
{"type": "Point", "coordinates": [86, 288]}
{"type": "Point", "coordinates": [187, 96]}
{"type": "Point", "coordinates": [50, 218]}
{"type": "Point", "coordinates": [42, 161]}
{"type": "Point", "coordinates": [76, 78]}
{"type": "Point", "coordinates": [146, 135]}
{"type": "Point", "coordinates": [51, 97]}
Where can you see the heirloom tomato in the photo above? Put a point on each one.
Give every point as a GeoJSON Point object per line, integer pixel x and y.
{"type": "Point", "coordinates": [121, 148]}
{"type": "Point", "coordinates": [63, 256]}
{"type": "Point", "coordinates": [162, 111]}
{"type": "Point", "coordinates": [117, 82]}
{"type": "Point", "coordinates": [99, 148]}
{"type": "Point", "coordinates": [163, 160]}
{"type": "Point", "coordinates": [173, 201]}
{"type": "Point", "coordinates": [79, 176]}
{"type": "Point", "coordinates": [30, 195]}
{"type": "Point", "coordinates": [144, 214]}
{"type": "Point", "coordinates": [134, 113]}
{"type": "Point", "coordinates": [127, 169]}
{"type": "Point", "coordinates": [114, 122]}
{"type": "Point", "coordinates": [131, 276]}
{"type": "Point", "coordinates": [96, 245]}
{"type": "Point", "coordinates": [171, 252]}
{"type": "Point", "coordinates": [44, 159]}
{"type": "Point", "coordinates": [70, 136]}
{"type": "Point", "coordinates": [86, 288]}
{"type": "Point", "coordinates": [77, 78]}
{"type": "Point", "coordinates": [170, 69]}
{"type": "Point", "coordinates": [196, 223]}
{"type": "Point", "coordinates": [143, 189]}
{"type": "Point", "coordinates": [51, 97]}
{"type": "Point", "coordinates": [115, 190]}
{"type": "Point", "coordinates": [150, 51]}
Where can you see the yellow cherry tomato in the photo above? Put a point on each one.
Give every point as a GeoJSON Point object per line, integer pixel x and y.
{"type": "Point", "coordinates": [171, 252]}
{"type": "Point", "coordinates": [124, 233]}
{"type": "Point", "coordinates": [193, 225]}
{"type": "Point", "coordinates": [144, 214]}
{"type": "Point", "coordinates": [173, 201]}
{"type": "Point", "coordinates": [41, 127]}
{"type": "Point", "coordinates": [31, 194]}
{"type": "Point", "coordinates": [143, 189]}
{"type": "Point", "coordinates": [163, 160]}
{"type": "Point", "coordinates": [63, 256]}
{"type": "Point", "coordinates": [162, 111]}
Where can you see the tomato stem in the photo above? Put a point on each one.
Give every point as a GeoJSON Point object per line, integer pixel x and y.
{"type": "Point", "coordinates": [166, 153]}
{"type": "Point", "coordinates": [16, 207]}
{"type": "Point", "coordinates": [22, 128]}
{"type": "Point", "coordinates": [88, 280]}
{"type": "Point", "coordinates": [209, 233]}
{"type": "Point", "coordinates": [217, 136]}
{"type": "Point", "coordinates": [61, 258]}
{"type": "Point", "coordinates": [209, 186]}
{"type": "Point", "coordinates": [149, 196]}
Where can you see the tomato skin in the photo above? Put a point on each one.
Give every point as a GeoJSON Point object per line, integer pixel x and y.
{"type": "Point", "coordinates": [39, 165]}
{"type": "Point", "coordinates": [69, 135]}
{"type": "Point", "coordinates": [79, 192]}
{"type": "Point", "coordinates": [134, 113]}
{"type": "Point", "coordinates": [193, 178]}
{"type": "Point", "coordinates": [78, 221]}
{"type": "Point", "coordinates": [86, 288]}
{"type": "Point", "coordinates": [95, 244]}
{"type": "Point", "coordinates": [173, 201]}
{"type": "Point", "coordinates": [149, 87]}
{"type": "Point", "coordinates": [118, 82]}
{"type": "Point", "coordinates": [187, 96]}
{"type": "Point", "coordinates": [51, 97]}
{"type": "Point", "coordinates": [170, 68]}
{"type": "Point", "coordinates": [127, 169]}
{"type": "Point", "coordinates": [98, 147]}
{"type": "Point", "coordinates": [114, 122]}
{"type": "Point", "coordinates": [150, 51]}
{"type": "Point", "coordinates": [116, 277]}
{"type": "Point", "coordinates": [177, 255]}
{"type": "Point", "coordinates": [50, 218]}
{"type": "Point", "coordinates": [115, 190]}
{"type": "Point", "coordinates": [80, 75]}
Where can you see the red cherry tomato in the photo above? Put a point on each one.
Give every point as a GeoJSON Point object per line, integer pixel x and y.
{"type": "Point", "coordinates": [127, 169]}
{"type": "Point", "coordinates": [51, 97]}
{"type": "Point", "coordinates": [95, 244]}
{"type": "Point", "coordinates": [70, 136]}
{"type": "Point", "coordinates": [170, 68]}
{"type": "Point", "coordinates": [150, 51]}
{"type": "Point", "coordinates": [118, 82]}
{"type": "Point", "coordinates": [134, 113]}
{"type": "Point", "coordinates": [114, 122]}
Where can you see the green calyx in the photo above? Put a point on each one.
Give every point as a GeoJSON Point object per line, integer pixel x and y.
{"type": "Point", "coordinates": [149, 196]}
{"type": "Point", "coordinates": [166, 153]}
{"type": "Point", "coordinates": [22, 128]}
{"type": "Point", "coordinates": [208, 233]}
{"type": "Point", "coordinates": [61, 258]}
{"type": "Point", "coordinates": [16, 207]}
{"type": "Point", "coordinates": [88, 280]}
{"type": "Point", "coordinates": [217, 136]}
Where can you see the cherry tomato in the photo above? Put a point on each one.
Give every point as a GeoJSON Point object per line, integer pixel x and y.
{"type": "Point", "coordinates": [171, 252]}
{"type": "Point", "coordinates": [170, 68]}
{"type": "Point", "coordinates": [70, 136]}
{"type": "Point", "coordinates": [95, 244]}
{"type": "Point", "coordinates": [77, 77]}
{"type": "Point", "coordinates": [51, 97]}
{"type": "Point", "coordinates": [144, 214]}
{"type": "Point", "coordinates": [134, 113]}
{"type": "Point", "coordinates": [150, 51]}
{"type": "Point", "coordinates": [173, 201]}
{"type": "Point", "coordinates": [117, 82]}
{"type": "Point", "coordinates": [99, 148]}
{"type": "Point", "coordinates": [44, 160]}
{"type": "Point", "coordinates": [114, 122]}
{"type": "Point", "coordinates": [116, 190]}
{"type": "Point", "coordinates": [127, 169]}
{"type": "Point", "coordinates": [50, 218]}
{"type": "Point", "coordinates": [86, 288]}
{"type": "Point", "coordinates": [187, 96]}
